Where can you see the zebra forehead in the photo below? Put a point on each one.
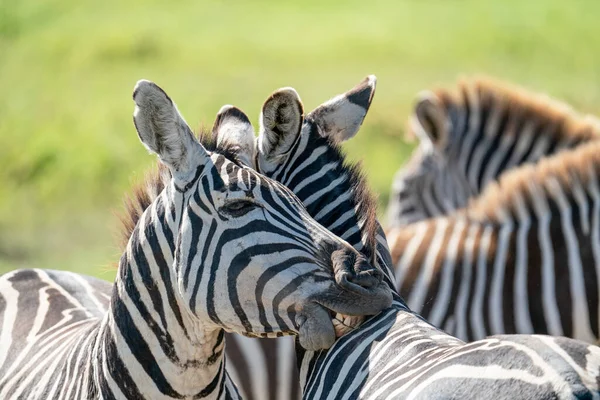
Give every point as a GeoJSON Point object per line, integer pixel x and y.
{"type": "Point", "coordinates": [143, 193]}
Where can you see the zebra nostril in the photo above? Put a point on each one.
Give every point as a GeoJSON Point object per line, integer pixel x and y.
{"type": "Point", "coordinates": [353, 271]}
{"type": "Point", "coordinates": [365, 280]}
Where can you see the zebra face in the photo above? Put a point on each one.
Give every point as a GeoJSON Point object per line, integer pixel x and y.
{"type": "Point", "coordinates": [247, 256]}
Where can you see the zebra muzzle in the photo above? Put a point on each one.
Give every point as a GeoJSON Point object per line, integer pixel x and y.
{"type": "Point", "coordinates": [356, 291]}
{"type": "Point", "coordinates": [315, 329]}
{"type": "Point", "coordinates": [353, 272]}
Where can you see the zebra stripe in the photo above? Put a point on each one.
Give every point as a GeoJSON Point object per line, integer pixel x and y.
{"type": "Point", "coordinates": [347, 210]}
{"type": "Point", "coordinates": [334, 193]}
{"type": "Point", "coordinates": [150, 334]}
{"type": "Point", "coordinates": [470, 138]}
{"type": "Point", "coordinates": [533, 268]}
{"type": "Point", "coordinates": [396, 354]}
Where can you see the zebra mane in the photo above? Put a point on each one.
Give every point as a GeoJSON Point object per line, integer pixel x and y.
{"type": "Point", "coordinates": [363, 198]}
{"type": "Point", "coordinates": [567, 171]}
{"type": "Point", "coordinates": [155, 180]}
{"type": "Point", "coordinates": [365, 205]}
{"type": "Point", "coordinates": [492, 95]}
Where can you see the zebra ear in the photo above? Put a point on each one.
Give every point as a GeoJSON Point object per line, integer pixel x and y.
{"type": "Point", "coordinates": [429, 119]}
{"type": "Point", "coordinates": [233, 128]}
{"type": "Point", "coordinates": [280, 123]}
{"type": "Point", "coordinates": [341, 117]}
{"type": "Point", "coordinates": [163, 130]}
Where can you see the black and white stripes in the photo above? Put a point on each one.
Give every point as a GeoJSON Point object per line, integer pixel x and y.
{"type": "Point", "coordinates": [469, 138]}
{"type": "Point", "coordinates": [523, 257]}
{"type": "Point", "coordinates": [224, 247]}
{"type": "Point", "coordinates": [221, 247]}
{"type": "Point", "coordinates": [527, 264]}
{"type": "Point", "coordinates": [398, 355]}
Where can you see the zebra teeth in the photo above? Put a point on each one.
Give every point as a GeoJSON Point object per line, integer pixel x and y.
{"type": "Point", "coordinates": [343, 324]}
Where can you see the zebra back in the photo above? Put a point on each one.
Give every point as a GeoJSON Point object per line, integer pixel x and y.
{"type": "Point", "coordinates": [523, 257]}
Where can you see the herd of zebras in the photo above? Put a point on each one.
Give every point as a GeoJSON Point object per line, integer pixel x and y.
{"type": "Point", "coordinates": [485, 284]}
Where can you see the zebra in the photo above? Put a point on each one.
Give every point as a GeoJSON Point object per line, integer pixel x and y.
{"type": "Point", "coordinates": [397, 353]}
{"type": "Point", "coordinates": [470, 136]}
{"type": "Point", "coordinates": [523, 257]}
{"type": "Point", "coordinates": [158, 332]}
{"type": "Point", "coordinates": [304, 156]}
{"type": "Point", "coordinates": [330, 373]}
{"type": "Point", "coordinates": [266, 368]}
{"type": "Point", "coordinates": [452, 267]}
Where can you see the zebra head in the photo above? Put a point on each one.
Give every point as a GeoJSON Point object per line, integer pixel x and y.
{"type": "Point", "coordinates": [303, 152]}
{"type": "Point", "coordinates": [432, 182]}
{"type": "Point", "coordinates": [247, 256]}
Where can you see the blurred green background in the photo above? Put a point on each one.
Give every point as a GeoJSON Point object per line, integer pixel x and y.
{"type": "Point", "coordinates": [68, 148]}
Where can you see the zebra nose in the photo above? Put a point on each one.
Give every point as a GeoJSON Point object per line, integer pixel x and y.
{"type": "Point", "coordinates": [353, 271]}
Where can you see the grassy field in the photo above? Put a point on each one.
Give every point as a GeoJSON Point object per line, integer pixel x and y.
{"type": "Point", "coordinates": [68, 148]}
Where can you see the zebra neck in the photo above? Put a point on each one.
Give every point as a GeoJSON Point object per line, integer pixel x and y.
{"type": "Point", "coordinates": [150, 344]}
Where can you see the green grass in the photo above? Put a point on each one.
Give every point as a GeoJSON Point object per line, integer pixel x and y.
{"type": "Point", "coordinates": [68, 148]}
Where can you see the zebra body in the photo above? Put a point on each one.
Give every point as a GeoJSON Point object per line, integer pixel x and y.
{"type": "Point", "coordinates": [470, 138]}
{"type": "Point", "coordinates": [30, 352]}
{"type": "Point", "coordinates": [524, 257]}
{"type": "Point", "coordinates": [397, 354]}
{"type": "Point", "coordinates": [158, 332]}
{"type": "Point", "coordinates": [528, 266]}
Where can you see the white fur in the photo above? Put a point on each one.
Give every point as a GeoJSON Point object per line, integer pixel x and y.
{"type": "Point", "coordinates": [164, 131]}
{"type": "Point", "coordinates": [240, 133]}
{"type": "Point", "coordinates": [340, 118]}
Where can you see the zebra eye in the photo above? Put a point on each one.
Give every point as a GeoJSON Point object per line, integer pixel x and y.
{"type": "Point", "coordinates": [237, 208]}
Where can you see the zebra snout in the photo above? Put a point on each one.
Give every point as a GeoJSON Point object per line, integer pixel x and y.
{"type": "Point", "coordinates": [367, 279]}
{"type": "Point", "coordinates": [353, 271]}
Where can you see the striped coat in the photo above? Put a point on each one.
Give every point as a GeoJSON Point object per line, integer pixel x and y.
{"type": "Point", "coordinates": [471, 136]}
{"type": "Point", "coordinates": [524, 257]}
{"type": "Point", "coordinates": [158, 332]}
{"type": "Point", "coordinates": [397, 354]}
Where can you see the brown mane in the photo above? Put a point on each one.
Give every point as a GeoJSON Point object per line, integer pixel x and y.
{"type": "Point", "coordinates": [141, 197]}
{"type": "Point", "coordinates": [365, 206]}
{"type": "Point", "coordinates": [491, 94]}
{"type": "Point", "coordinates": [577, 167]}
